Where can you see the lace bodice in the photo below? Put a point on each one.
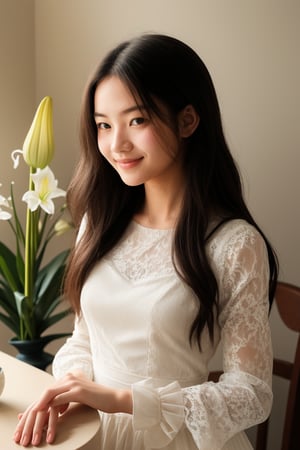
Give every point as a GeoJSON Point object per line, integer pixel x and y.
{"type": "Point", "coordinates": [132, 258]}
{"type": "Point", "coordinates": [134, 330]}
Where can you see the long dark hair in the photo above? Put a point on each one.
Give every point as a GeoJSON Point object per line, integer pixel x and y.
{"type": "Point", "coordinates": [157, 67]}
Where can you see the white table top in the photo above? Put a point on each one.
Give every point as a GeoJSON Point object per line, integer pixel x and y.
{"type": "Point", "coordinates": [78, 428]}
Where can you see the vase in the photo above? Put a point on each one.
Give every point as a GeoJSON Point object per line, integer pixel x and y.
{"type": "Point", "coordinates": [32, 352]}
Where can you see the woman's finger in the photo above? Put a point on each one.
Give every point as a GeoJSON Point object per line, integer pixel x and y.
{"type": "Point", "coordinates": [52, 424]}
{"type": "Point", "coordinates": [24, 430]}
{"type": "Point", "coordinates": [18, 436]}
{"type": "Point", "coordinates": [48, 396]}
{"type": "Point", "coordinates": [63, 386]}
{"type": "Point", "coordinates": [28, 424]}
{"type": "Point", "coordinates": [41, 420]}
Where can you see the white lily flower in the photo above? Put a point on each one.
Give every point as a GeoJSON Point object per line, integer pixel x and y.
{"type": "Point", "coordinates": [4, 215]}
{"type": "Point", "coordinates": [45, 189]}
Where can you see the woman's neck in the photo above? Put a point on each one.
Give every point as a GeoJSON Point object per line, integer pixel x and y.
{"type": "Point", "coordinates": [161, 208]}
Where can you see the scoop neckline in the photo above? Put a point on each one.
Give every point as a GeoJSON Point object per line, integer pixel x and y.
{"type": "Point", "coordinates": [144, 227]}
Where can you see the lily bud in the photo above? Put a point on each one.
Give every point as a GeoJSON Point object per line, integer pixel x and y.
{"type": "Point", "coordinates": [38, 147]}
{"type": "Point", "coordinates": [61, 227]}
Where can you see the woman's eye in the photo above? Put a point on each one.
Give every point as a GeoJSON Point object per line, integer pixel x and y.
{"type": "Point", "coordinates": [137, 121]}
{"type": "Point", "coordinates": [103, 126]}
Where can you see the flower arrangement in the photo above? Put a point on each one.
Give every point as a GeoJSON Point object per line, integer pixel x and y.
{"type": "Point", "coordinates": [30, 291]}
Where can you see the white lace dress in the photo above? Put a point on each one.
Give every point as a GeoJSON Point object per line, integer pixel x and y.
{"type": "Point", "coordinates": [134, 332]}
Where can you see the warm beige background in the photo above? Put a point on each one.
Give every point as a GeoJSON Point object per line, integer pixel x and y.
{"type": "Point", "coordinates": [49, 47]}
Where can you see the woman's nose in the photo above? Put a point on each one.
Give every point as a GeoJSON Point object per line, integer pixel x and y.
{"type": "Point", "coordinates": [120, 142]}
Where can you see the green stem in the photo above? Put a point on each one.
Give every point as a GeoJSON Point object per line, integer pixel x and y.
{"type": "Point", "coordinates": [30, 255]}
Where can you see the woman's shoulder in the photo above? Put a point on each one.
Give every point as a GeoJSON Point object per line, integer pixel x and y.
{"type": "Point", "coordinates": [235, 239]}
{"type": "Point", "coordinates": [238, 255]}
{"type": "Point", "coordinates": [226, 230]}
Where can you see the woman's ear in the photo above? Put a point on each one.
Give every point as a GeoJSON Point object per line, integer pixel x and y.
{"type": "Point", "coordinates": [188, 121]}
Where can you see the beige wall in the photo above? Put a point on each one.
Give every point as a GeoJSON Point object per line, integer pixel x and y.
{"type": "Point", "coordinates": [251, 49]}
{"type": "Point", "coordinates": [17, 95]}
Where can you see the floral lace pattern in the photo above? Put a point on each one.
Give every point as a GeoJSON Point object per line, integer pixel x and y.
{"type": "Point", "coordinates": [132, 258]}
{"type": "Point", "coordinates": [195, 414]}
{"type": "Point", "coordinates": [242, 397]}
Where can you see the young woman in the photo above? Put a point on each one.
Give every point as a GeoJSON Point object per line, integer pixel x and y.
{"type": "Point", "coordinates": [168, 262]}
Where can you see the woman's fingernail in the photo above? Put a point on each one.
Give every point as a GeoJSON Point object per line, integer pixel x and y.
{"type": "Point", "coordinates": [17, 435]}
{"type": "Point", "coordinates": [49, 437]}
{"type": "Point", "coordinates": [36, 439]}
{"type": "Point", "coordinates": [24, 440]}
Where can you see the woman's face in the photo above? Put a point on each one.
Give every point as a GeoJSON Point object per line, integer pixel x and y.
{"type": "Point", "coordinates": [140, 150]}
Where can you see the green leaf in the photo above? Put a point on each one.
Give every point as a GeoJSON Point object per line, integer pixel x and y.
{"type": "Point", "coordinates": [52, 296]}
{"type": "Point", "coordinates": [10, 323]}
{"type": "Point", "coordinates": [20, 266]}
{"type": "Point", "coordinates": [52, 337]}
{"type": "Point", "coordinates": [19, 298]}
{"type": "Point", "coordinates": [46, 323]}
{"type": "Point", "coordinates": [25, 314]}
{"type": "Point", "coordinates": [7, 302]}
{"type": "Point", "coordinates": [49, 287]}
{"type": "Point", "coordinates": [48, 293]}
{"type": "Point", "coordinates": [52, 305]}
{"type": "Point", "coordinates": [48, 276]}
{"type": "Point", "coordinates": [8, 268]}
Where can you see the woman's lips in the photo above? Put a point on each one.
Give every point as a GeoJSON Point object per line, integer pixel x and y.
{"type": "Point", "coordinates": [128, 163]}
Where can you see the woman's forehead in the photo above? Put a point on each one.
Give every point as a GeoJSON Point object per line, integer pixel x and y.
{"type": "Point", "coordinates": [112, 94]}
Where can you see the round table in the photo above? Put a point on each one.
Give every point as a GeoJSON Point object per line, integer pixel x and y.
{"type": "Point", "coordinates": [78, 428]}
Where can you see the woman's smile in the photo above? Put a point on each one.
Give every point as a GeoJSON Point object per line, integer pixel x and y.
{"type": "Point", "coordinates": [128, 163]}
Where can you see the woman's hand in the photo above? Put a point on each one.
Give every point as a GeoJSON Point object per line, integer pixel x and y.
{"type": "Point", "coordinates": [55, 401]}
{"type": "Point", "coordinates": [33, 422]}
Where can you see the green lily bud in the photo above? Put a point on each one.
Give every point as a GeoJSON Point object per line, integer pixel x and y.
{"type": "Point", "coordinates": [38, 147]}
{"type": "Point", "coordinates": [61, 227]}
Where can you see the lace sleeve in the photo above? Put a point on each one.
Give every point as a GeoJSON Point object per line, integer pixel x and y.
{"type": "Point", "coordinates": [214, 412]}
{"type": "Point", "coordinates": [75, 353]}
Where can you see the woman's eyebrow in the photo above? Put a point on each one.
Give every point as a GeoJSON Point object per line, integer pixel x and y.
{"type": "Point", "coordinates": [125, 111]}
